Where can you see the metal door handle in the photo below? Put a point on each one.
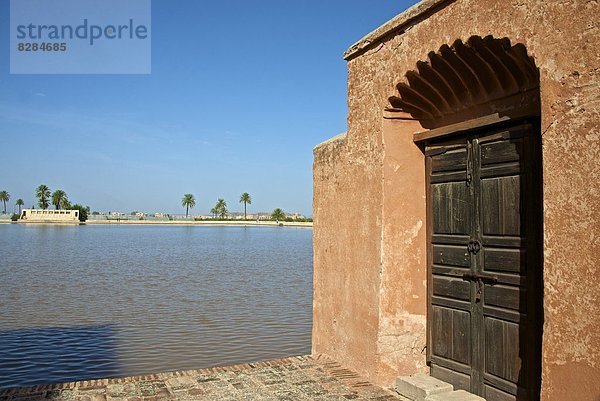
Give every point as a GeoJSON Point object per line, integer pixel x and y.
{"type": "Point", "coordinates": [474, 246]}
{"type": "Point", "coordinates": [482, 278]}
{"type": "Point", "coordinates": [487, 279]}
{"type": "Point", "coordinates": [469, 276]}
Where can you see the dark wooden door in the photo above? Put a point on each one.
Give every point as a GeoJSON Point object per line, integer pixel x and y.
{"type": "Point", "coordinates": [484, 229]}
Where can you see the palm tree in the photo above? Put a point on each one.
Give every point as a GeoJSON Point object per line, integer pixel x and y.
{"type": "Point", "coordinates": [65, 204]}
{"type": "Point", "coordinates": [221, 208]}
{"type": "Point", "coordinates": [245, 199]}
{"type": "Point", "coordinates": [43, 194]}
{"type": "Point", "coordinates": [278, 215]}
{"type": "Point", "coordinates": [188, 202]}
{"type": "Point", "coordinates": [4, 197]}
{"type": "Point", "coordinates": [58, 198]}
{"type": "Point", "coordinates": [20, 203]}
{"type": "Point", "coordinates": [213, 211]}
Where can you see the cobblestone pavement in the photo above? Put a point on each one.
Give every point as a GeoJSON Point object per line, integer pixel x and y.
{"type": "Point", "coordinates": [293, 379]}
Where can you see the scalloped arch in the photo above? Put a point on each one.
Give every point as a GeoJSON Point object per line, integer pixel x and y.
{"type": "Point", "coordinates": [468, 80]}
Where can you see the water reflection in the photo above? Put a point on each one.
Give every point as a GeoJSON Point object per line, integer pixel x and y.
{"type": "Point", "coordinates": [57, 354]}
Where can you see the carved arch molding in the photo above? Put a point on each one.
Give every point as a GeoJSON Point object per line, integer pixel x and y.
{"type": "Point", "coordinates": [469, 80]}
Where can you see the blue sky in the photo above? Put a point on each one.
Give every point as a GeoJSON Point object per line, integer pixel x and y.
{"type": "Point", "coordinates": [240, 93]}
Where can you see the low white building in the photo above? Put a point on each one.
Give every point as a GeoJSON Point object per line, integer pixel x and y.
{"type": "Point", "coordinates": [49, 216]}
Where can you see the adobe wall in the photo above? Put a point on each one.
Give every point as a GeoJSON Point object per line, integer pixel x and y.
{"type": "Point", "coordinates": [346, 237]}
{"type": "Point", "coordinates": [369, 310]}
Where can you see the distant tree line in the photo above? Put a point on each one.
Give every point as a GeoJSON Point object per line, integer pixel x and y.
{"type": "Point", "coordinates": [60, 200]}
{"type": "Point", "coordinates": [220, 211]}
{"type": "Point", "coordinates": [45, 198]}
{"type": "Point", "coordinates": [5, 197]}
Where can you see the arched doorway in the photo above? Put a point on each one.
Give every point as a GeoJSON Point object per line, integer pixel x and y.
{"type": "Point", "coordinates": [480, 102]}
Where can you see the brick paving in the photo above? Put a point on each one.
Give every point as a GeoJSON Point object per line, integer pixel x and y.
{"type": "Point", "coordinates": [293, 379]}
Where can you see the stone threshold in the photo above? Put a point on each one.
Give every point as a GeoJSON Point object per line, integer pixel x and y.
{"type": "Point", "coordinates": [422, 387]}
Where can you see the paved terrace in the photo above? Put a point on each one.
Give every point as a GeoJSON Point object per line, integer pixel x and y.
{"type": "Point", "coordinates": [293, 379]}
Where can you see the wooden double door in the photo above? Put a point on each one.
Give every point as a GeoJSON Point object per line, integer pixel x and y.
{"type": "Point", "coordinates": [484, 261]}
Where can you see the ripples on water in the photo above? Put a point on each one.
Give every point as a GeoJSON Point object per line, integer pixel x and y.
{"type": "Point", "coordinates": [103, 301]}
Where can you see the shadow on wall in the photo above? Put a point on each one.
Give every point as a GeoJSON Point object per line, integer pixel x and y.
{"type": "Point", "coordinates": [35, 356]}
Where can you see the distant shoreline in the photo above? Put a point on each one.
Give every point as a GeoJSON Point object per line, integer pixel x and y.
{"type": "Point", "coordinates": [178, 223]}
{"type": "Point", "coordinates": [203, 223]}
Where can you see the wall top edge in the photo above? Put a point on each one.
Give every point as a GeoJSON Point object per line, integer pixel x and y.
{"type": "Point", "coordinates": [331, 140]}
{"type": "Point", "coordinates": [411, 16]}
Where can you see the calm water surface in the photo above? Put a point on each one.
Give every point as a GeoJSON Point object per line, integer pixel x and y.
{"type": "Point", "coordinates": [103, 301]}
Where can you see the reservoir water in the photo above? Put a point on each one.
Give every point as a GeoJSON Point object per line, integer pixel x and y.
{"type": "Point", "coordinates": [85, 302]}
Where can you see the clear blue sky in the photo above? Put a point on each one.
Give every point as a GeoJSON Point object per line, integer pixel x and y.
{"type": "Point", "coordinates": [240, 93]}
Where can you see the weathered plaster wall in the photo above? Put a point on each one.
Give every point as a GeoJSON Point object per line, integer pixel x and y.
{"type": "Point", "coordinates": [346, 234]}
{"type": "Point", "coordinates": [403, 273]}
{"type": "Point", "coordinates": [354, 297]}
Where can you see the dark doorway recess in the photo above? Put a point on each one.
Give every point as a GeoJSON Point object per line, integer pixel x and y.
{"type": "Point", "coordinates": [484, 223]}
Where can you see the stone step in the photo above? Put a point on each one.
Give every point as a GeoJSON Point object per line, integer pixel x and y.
{"type": "Point", "coordinates": [458, 395]}
{"type": "Point", "coordinates": [420, 386]}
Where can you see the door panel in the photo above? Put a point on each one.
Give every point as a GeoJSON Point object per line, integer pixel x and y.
{"type": "Point", "coordinates": [450, 306]}
{"type": "Point", "coordinates": [461, 381]}
{"type": "Point", "coordinates": [501, 151]}
{"type": "Point", "coordinates": [501, 206]}
{"type": "Point", "coordinates": [504, 260]}
{"type": "Point", "coordinates": [452, 344]}
{"type": "Point", "coordinates": [484, 262]}
{"type": "Point", "coordinates": [451, 208]}
{"type": "Point", "coordinates": [451, 255]}
{"type": "Point", "coordinates": [451, 287]}
{"type": "Point", "coordinates": [502, 349]}
{"type": "Point", "coordinates": [451, 160]}
{"type": "Point", "coordinates": [506, 198]}
{"type": "Point", "coordinates": [505, 296]}
{"type": "Point", "coordinates": [493, 394]}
